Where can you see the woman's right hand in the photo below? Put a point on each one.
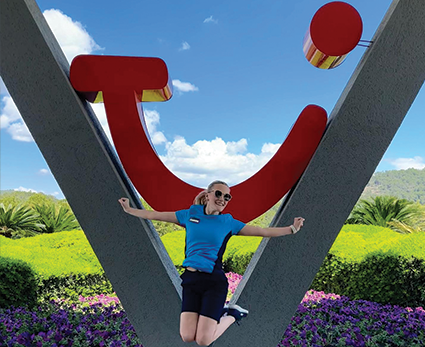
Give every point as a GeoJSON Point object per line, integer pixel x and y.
{"type": "Point", "coordinates": [125, 204]}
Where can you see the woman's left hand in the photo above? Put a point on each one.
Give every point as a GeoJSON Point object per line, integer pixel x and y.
{"type": "Point", "coordinates": [125, 204]}
{"type": "Point", "coordinates": [298, 223]}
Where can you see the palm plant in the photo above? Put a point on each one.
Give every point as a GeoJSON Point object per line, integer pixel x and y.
{"type": "Point", "coordinates": [18, 221]}
{"type": "Point", "coordinates": [56, 219]}
{"type": "Point", "coordinates": [387, 211]}
{"type": "Point", "coordinates": [403, 228]}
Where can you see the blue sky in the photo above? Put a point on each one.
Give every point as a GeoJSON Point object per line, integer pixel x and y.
{"type": "Point", "coordinates": [240, 81]}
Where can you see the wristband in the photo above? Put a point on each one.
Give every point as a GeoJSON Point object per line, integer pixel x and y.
{"type": "Point", "coordinates": [294, 230]}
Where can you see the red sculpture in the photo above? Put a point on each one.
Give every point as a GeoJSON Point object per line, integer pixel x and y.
{"type": "Point", "coordinates": [335, 30]}
{"type": "Point", "coordinates": [124, 82]}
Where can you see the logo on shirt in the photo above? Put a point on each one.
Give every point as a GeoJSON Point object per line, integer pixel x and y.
{"type": "Point", "coordinates": [194, 220]}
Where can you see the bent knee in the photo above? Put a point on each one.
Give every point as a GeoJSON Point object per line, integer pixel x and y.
{"type": "Point", "coordinates": [204, 340]}
{"type": "Point", "coordinates": [187, 337]}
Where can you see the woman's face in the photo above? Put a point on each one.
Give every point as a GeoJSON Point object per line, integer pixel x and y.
{"type": "Point", "coordinates": [217, 198]}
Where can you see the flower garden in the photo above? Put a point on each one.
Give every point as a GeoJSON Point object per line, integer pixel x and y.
{"type": "Point", "coordinates": [321, 320]}
{"type": "Point", "coordinates": [77, 316]}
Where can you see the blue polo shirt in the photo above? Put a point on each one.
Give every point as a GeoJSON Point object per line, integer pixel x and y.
{"type": "Point", "coordinates": [206, 237]}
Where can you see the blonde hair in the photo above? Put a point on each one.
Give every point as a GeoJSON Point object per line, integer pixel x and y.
{"type": "Point", "coordinates": [201, 198]}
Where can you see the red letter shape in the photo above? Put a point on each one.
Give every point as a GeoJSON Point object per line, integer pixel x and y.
{"type": "Point", "coordinates": [124, 81]}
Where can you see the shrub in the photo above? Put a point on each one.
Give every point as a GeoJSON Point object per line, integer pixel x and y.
{"type": "Point", "coordinates": [18, 284]}
{"type": "Point", "coordinates": [64, 264]}
{"type": "Point", "coordinates": [174, 243]}
{"type": "Point", "coordinates": [26, 214]}
{"type": "Point", "coordinates": [71, 286]}
{"type": "Point", "coordinates": [389, 278]}
{"type": "Point", "coordinates": [380, 277]}
{"type": "Point", "coordinates": [400, 215]}
{"type": "Point", "coordinates": [239, 253]}
{"type": "Point", "coordinates": [241, 260]}
{"type": "Point", "coordinates": [332, 275]}
{"type": "Point", "coordinates": [54, 254]}
{"type": "Point", "coordinates": [55, 219]}
{"type": "Point", "coordinates": [18, 221]}
{"type": "Point", "coordinates": [355, 242]}
{"type": "Point", "coordinates": [163, 228]}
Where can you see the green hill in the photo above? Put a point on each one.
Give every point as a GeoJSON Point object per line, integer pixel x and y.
{"type": "Point", "coordinates": [404, 184]}
{"type": "Point", "coordinates": [16, 197]}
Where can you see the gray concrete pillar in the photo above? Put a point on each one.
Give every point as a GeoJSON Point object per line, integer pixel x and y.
{"type": "Point", "coordinates": [80, 157]}
{"type": "Point", "coordinates": [361, 127]}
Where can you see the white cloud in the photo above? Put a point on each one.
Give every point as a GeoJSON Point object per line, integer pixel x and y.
{"type": "Point", "coordinates": [234, 148]}
{"type": "Point", "coordinates": [270, 148]}
{"type": "Point", "coordinates": [43, 172]}
{"type": "Point", "coordinates": [202, 162]}
{"type": "Point", "coordinates": [205, 161]}
{"type": "Point", "coordinates": [9, 113]}
{"type": "Point", "coordinates": [408, 163]}
{"type": "Point", "coordinates": [210, 20]}
{"type": "Point", "coordinates": [74, 40]}
{"type": "Point", "coordinates": [3, 89]}
{"type": "Point", "coordinates": [100, 112]}
{"type": "Point", "coordinates": [184, 86]}
{"type": "Point", "coordinates": [71, 35]}
{"type": "Point", "coordinates": [22, 189]}
{"type": "Point", "coordinates": [11, 120]}
{"type": "Point", "coordinates": [185, 46]}
{"type": "Point", "coordinates": [152, 120]}
{"type": "Point", "coordinates": [20, 132]}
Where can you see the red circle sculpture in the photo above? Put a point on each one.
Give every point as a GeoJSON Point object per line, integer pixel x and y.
{"type": "Point", "coordinates": [335, 30]}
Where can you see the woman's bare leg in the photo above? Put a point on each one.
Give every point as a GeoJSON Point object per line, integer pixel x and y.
{"type": "Point", "coordinates": [208, 330]}
{"type": "Point", "coordinates": [225, 322]}
{"type": "Point", "coordinates": [188, 326]}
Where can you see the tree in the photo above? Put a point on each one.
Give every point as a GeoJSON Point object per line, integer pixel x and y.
{"type": "Point", "coordinates": [387, 211]}
{"type": "Point", "coordinates": [39, 199]}
{"type": "Point", "coordinates": [14, 198]}
{"type": "Point", "coordinates": [19, 221]}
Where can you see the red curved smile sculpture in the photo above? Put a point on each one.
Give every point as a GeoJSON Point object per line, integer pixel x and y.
{"type": "Point", "coordinates": [122, 83]}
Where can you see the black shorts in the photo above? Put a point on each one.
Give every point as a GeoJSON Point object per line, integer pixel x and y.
{"type": "Point", "coordinates": [204, 293]}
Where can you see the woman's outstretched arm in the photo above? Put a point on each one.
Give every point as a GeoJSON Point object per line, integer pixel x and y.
{"type": "Point", "coordinates": [146, 214]}
{"type": "Point", "coordinates": [250, 230]}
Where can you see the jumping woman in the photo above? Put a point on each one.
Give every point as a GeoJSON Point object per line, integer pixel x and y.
{"type": "Point", "coordinates": [204, 316]}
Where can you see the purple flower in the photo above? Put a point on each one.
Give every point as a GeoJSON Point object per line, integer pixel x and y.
{"type": "Point", "coordinates": [321, 320]}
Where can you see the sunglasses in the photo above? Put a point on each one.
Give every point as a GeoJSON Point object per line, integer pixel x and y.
{"type": "Point", "coordinates": [219, 194]}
